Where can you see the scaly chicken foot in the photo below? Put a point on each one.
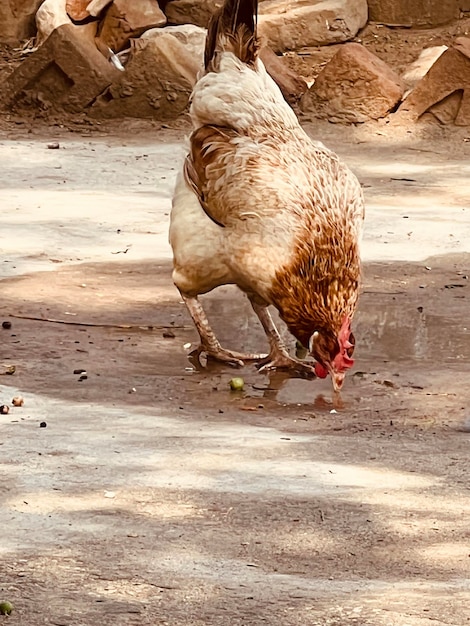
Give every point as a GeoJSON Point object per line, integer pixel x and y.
{"type": "Point", "coordinates": [279, 357]}
{"type": "Point", "coordinates": [210, 345]}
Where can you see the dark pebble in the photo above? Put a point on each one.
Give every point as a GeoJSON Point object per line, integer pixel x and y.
{"type": "Point", "coordinates": [6, 325]}
{"type": "Point", "coordinates": [79, 371]}
{"type": "Point", "coordinates": [168, 334]}
{"type": "Point", "coordinates": [43, 425]}
{"type": "Point", "coordinates": [4, 409]}
{"type": "Point", "coordinates": [83, 377]}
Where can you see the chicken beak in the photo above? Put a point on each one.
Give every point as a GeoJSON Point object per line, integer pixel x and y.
{"type": "Point", "coordinates": [338, 380]}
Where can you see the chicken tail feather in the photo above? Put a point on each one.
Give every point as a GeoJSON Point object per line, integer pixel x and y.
{"type": "Point", "coordinates": [233, 29]}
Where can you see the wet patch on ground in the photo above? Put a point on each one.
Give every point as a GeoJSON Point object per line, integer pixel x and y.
{"type": "Point", "coordinates": [412, 357]}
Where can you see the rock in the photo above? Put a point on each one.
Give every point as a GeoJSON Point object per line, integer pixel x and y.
{"type": "Point", "coordinates": [157, 83]}
{"type": "Point", "coordinates": [355, 86]}
{"type": "Point", "coordinates": [66, 72]}
{"type": "Point", "coordinates": [126, 19]}
{"type": "Point", "coordinates": [293, 24]}
{"type": "Point", "coordinates": [291, 84]}
{"type": "Point", "coordinates": [196, 12]}
{"type": "Point", "coordinates": [447, 110]}
{"type": "Point", "coordinates": [416, 14]}
{"type": "Point", "coordinates": [77, 10]}
{"type": "Point", "coordinates": [50, 15]}
{"type": "Point", "coordinates": [17, 20]}
{"type": "Point", "coordinates": [415, 72]}
{"type": "Point", "coordinates": [95, 7]}
{"type": "Point", "coordinates": [445, 90]}
{"type": "Point", "coordinates": [191, 36]}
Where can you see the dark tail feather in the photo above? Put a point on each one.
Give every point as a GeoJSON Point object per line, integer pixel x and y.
{"type": "Point", "coordinates": [236, 22]}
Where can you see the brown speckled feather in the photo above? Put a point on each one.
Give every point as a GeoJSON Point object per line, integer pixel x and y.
{"type": "Point", "coordinates": [210, 149]}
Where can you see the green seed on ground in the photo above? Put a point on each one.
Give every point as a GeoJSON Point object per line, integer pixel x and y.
{"type": "Point", "coordinates": [237, 384]}
{"type": "Point", "coordinates": [6, 608]}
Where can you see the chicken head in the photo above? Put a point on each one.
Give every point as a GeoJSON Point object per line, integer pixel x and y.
{"type": "Point", "coordinates": [333, 355]}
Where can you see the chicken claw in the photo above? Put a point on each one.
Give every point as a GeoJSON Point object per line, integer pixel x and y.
{"type": "Point", "coordinates": [210, 345]}
{"type": "Point", "coordinates": [231, 357]}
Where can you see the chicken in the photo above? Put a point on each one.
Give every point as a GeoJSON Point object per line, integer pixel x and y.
{"type": "Point", "coordinates": [262, 206]}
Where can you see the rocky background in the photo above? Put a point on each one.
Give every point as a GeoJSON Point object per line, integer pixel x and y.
{"type": "Point", "coordinates": [346, 61]}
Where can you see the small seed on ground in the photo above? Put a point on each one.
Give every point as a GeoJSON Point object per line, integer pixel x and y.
{"type": "Point", "coordinates": [237, 384]}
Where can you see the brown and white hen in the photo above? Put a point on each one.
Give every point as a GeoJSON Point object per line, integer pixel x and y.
{"type": "Point", "coordinates": [262, 206]}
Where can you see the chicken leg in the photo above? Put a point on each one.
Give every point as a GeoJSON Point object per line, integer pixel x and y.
{"type": "Point", "coordinates": [209, 343]}
{"type": "Point", "coordinates": [278, 358]}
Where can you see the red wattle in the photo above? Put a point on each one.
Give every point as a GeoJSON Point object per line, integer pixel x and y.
{"type": "Point", "coordinates": [320, 371]}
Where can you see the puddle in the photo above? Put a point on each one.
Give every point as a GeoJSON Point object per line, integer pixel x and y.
{"type": "Point", "coordinates": [404, 342]}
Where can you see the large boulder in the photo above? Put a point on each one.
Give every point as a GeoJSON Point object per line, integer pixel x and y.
{"type": "Point", "coordinates": [445, 90]}
{"type": "Point", "coordinates": [67, 72]}
{"type": "Point", "coordinates": [126, 19]}
{"type": "Point", "coordinates": [17, 20]}
{"type": "Point", "coordinates": [413, 14]}
{"type": "Point", "coordinates": [293, 24]}
{"type": "Point", "coordinates": [355, 86]}
{"type": "Point", "coordinates": [157, 82]}
{"type": "Point", "coordinates": [196, 12]}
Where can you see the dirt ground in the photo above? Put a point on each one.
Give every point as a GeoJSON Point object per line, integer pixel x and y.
{"type": "Point", "coordinates": [155, 495]}
{"type": "Point", "coordinates": [152, 494]}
